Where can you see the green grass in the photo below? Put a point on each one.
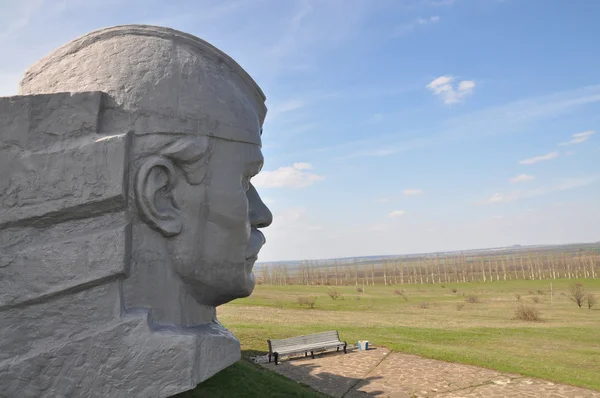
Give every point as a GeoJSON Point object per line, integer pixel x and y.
{"type": "Point", "coordinates": [245, 379]}
{"type": "Point", "coordinates": [564, 347]}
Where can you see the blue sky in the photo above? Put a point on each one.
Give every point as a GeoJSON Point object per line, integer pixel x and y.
{"type": "Point", "coordinates": [394, 126]}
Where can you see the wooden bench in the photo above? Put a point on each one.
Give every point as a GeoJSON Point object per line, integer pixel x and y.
{"type": "Point", "coordinates": [305, 344]}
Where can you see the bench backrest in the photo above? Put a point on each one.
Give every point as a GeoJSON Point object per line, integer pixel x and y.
{"type": "Point", "coordinates": [315, 338]}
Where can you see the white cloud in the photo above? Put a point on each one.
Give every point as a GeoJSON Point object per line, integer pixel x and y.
{"type": "Point", "coordinates": [397, 213]}
{"type": "Point", "coordinates": [283, 107]}
{"type": "Point", "coordinates": [511, 118]}
{"type": "Point", "coordinates": [296, 129]}
{"type": "Point", "coordinates": [565, 185]}
{"type": "Point", "coordinates": [295, 176]}
{"type": "Point", "coordinates": [302, 166]}
{"type": "Point", "coordinates": [406, 192]}
{"type": "Point", "coordinates": [386, 151]}
{"type": "Point", "coordinates": [315, 228]}
{"type": "Point", "coordinates": [291, 215]}
{"type": "Point", "coordinates": [290, 105]}
{"type": "Point", "coordinates": [443, 87]}
{"type": "Point", "coordinates": [496, 198]}
{"type": "Point", "coordinates": [412, 25]}
{"type": "Point", "coordinates": [377, 117]}
{"type": "Point", "coordinates": [579, 138]}
{"type": "Point", "coordinates": [412, 192]}
{"type": "Point", "coordinates": [569, 153]}
{"type": "Point", "coordinates": [572, 183]}
{"type": "Point", "coordinates": [536, 159]}
{"type": "Point", "coordinates": [522, 178]}
{"type": "Point", "coordinates": [380, 152]}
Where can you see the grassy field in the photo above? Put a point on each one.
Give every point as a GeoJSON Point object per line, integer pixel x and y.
{"type": "Point", "coordinates": [434, 321]}
{"type": "Point", "coordinates": [245, 379]}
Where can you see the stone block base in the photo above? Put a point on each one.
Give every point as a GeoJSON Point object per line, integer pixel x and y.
{"type": "Point", "coordinates": [125, 359]}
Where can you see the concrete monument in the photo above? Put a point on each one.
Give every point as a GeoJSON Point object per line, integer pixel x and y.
{"type": "Point", "coordinates": [126, 215]}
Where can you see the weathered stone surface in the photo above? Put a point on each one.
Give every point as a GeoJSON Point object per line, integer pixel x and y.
{"type": "Point", "coordinates": [51, 268]}
{"type": "Point", "coordinates": [45, 122]}
{"type": "Point", "coordinates": [29, 330]}
{"type": "Point", "coordinates": [126, 215]}
{"type": "Point", "coordinates": [59, 170]}
{"type": "Point", "coordinates": [157, 70]}
{"type": "Point", "coordinates": [123, 359]}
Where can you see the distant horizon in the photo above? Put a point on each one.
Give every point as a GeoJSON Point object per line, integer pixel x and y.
{"type": "Point", "coordinates": [428, 253]}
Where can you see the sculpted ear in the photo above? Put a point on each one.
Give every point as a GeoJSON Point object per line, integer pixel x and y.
{"type": "Point", "coordinates": [154, 184]}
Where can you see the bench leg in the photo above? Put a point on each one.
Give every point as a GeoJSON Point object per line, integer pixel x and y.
{"type": "Point", "coordinates": [337, 349]}
{"type": "Point", "coordinates": [269, 357]}
{"type": "Point", "coordinates": [276, 355]}
{"type": "Point", "coordinates": [305, 354]}
{"type": "Point", "coordinates": [312, 353]}
{"type": "Point", "coordinates": [345, 348]}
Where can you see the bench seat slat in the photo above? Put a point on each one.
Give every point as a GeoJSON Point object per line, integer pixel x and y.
{"type": "Point", "coordinates": [285, 350]}
{"type": "Point", "coordinates": [305, 343]}
{"type": "Point", "coordinates": [293, 344]}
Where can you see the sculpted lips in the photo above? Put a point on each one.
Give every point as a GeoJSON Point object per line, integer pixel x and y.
{"type": "Point", "coordinates": [257, 240]}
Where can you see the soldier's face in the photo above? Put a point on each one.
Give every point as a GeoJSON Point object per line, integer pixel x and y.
{"type": "Point", "coordinates": [220, 237]}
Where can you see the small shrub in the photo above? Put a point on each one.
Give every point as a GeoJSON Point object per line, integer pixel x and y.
{"type": "Point", "coordinates": [424, 304]}
{"type": "Point", "coordinates": [471, 298]}
{"type": "Point", "coordinates": [454, 290]}
{"type": "Point", "coordinates": [535, 299]}
{"type": "Point", "coordinates": [334, 294]}
{"type": "Point", "coordinates": [357, 298]}
{"type": "Point", "coordinates": [526, 313]}
{"type": "Point", "coordinates": [460, 306]}
{"type": "Point", "coordinates": [443, 286]}
{"type": "Point", "coordinates": [530, 291]}
{"type": "Point", "coordinates": [359, 289]}
{"type": "Point", "coordinates": [309, 302]}
{"type": "Point", "coordinates": [518, 296]}
{"type": "Point", "coordinates": [591, 300]}
{"type": "Point", "coordinates": [541, 292]}
{"type": "Point", "coordinates": [577, 294]}
{"type": "Point", "coordinates": [401, 294]}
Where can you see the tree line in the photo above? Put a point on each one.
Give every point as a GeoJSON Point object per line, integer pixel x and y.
{"type": "Point", "coordinates": [436, 269]}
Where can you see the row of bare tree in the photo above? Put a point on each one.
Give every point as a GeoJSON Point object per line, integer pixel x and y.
{"type": "Point", "coordinates": [437, 269]}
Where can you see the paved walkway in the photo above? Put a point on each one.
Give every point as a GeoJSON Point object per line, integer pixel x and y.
{"type": "Point", "coordinates": [379, 373]}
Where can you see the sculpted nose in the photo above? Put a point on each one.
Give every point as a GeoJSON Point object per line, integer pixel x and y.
{"type": "Point", "coordinates": [260, 215]}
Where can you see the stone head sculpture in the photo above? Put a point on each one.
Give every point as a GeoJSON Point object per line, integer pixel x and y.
{"type": "Point", "coordinates": [130, 152]}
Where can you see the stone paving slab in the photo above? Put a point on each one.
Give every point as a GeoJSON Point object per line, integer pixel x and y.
{"type": "Point", "coordinates": [377, 372]}
{"type": "Point", "coordinates": [331, 373]}
{"type": "Point", "coordinates": [523, 387]}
